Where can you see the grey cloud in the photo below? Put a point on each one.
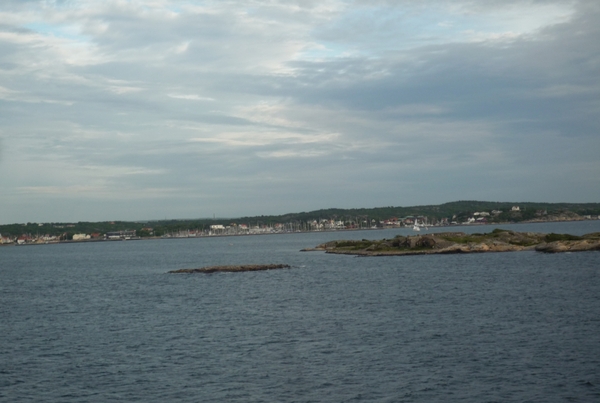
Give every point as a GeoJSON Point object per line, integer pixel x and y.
{"type": "Point", "coordinates": [477, 80]}
{"type": "Point", "coordinates": [214, 106]}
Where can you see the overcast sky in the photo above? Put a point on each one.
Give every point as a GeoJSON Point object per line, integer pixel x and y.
{"type": "Point", "coordinates": [131, 109]}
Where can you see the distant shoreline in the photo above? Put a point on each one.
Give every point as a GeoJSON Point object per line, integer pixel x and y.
{"type": "Point", "coordinates": [83, 241]}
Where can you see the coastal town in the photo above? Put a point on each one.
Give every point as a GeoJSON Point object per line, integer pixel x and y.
{"type": "Point", "coordinates": [48, 233]}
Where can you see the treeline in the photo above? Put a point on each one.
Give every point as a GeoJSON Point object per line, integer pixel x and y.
{"type": "Point", "coordinates": [453, 211]}
{"type": "Point", "coordinates": [457, 209]}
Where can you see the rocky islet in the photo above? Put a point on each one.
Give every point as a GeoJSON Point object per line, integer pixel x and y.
{"type": "Point", "coordinates": [232, 268]}
{"type": "Point", "coordinates": [460, 242]}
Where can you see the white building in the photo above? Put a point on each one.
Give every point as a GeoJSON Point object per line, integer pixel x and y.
{"type": "Point", "coordinates": [5, 239]}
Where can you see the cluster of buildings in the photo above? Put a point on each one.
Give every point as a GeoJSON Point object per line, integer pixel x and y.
{"type": "Point", "coordinates": [305, 226]}
{"type": "Point", "coordinates": [25, 239]}
{"type": "Point", "coordinates": [479, 217]}
{"type": "Point", "coordinates": [28, 238]}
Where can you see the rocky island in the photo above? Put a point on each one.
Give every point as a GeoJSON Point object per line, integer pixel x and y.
{"type": "Point", "coordinates": [238, 268]}
{"type": "Point", "coordinates": [459, 242]}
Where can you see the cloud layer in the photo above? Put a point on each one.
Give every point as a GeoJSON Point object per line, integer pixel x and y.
{"type": "Point", "coordinates": [151, 109]}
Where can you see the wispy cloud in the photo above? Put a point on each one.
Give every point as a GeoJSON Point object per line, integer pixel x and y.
{"type": "Point", "coordinates": [190, 97]}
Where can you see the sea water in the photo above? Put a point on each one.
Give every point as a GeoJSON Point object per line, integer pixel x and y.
{"type": "Point", "coordinates": [103, 322]}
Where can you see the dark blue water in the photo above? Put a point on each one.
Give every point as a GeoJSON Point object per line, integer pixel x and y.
{"type": "Point", "coordinates": [102, 322]}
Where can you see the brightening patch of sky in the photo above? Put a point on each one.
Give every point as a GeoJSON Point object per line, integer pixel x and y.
{"type": "Point", "coordinates": [146, 109]}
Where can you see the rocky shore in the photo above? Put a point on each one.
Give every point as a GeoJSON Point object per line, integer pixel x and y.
{"type": "Point", "coordinates": [238, 268]}
{"type": "Point", "coordinates": [460, 242]}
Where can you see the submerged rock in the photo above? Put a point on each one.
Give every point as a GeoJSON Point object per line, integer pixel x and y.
{"type": "Point", "coordinates": [233, 268]}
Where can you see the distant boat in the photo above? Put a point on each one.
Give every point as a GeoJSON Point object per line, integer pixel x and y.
{"type": "Point", "coordinates": [417, 226]}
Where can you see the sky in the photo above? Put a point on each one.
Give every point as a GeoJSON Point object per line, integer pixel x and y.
{"type": "Point", "coordinates": [141, 110]}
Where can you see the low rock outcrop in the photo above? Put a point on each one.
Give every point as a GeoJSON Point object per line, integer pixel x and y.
{"type": "Point", "coordinates": [568, 246]}
{"type": "Point", "coordinates": [458, 242]}
{"type": "Point", "coordinates": [238, 268]}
